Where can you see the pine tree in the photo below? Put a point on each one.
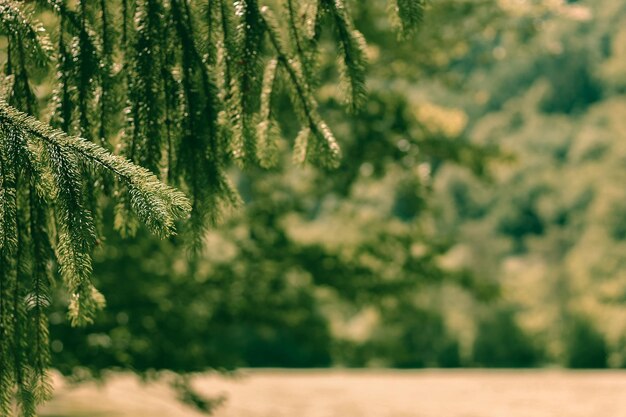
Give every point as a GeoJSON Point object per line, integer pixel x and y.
{"type": "Point", "coordinates": [175, 93]}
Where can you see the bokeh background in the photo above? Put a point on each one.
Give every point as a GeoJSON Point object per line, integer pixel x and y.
{"type": "Point", "coordinates": [478, 218]}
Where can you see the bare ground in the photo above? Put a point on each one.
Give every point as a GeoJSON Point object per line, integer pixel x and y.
{"type": "Point", "coordinates": [367, 393]}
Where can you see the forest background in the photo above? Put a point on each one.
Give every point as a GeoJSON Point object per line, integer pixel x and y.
{"type": "Point", "coordinates": [476, 218]}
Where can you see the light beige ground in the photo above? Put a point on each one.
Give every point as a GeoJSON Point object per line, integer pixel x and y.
{"type": "Point", "coordinates": [366, 394]}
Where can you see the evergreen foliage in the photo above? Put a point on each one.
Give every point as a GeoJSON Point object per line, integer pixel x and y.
{"type": "Point", "coordinates": [175, 93]}
{"type": "Point", "coordinates": [45, 220]}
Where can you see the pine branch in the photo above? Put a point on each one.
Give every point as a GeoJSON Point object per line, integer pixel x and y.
{"type": "Point", "coordinates": [8, 267]}
{"type": "Point", "coordinates": [200, 154]}
{"type": "Point", "coordinates": [144, 89]}
{"type": "Point", "coordinates": [303, 25]}
{"type": "Point", "coordinates": [267, 128]}
{"type": "Point", "coordinates": [48, 163]}
{"type": "Point", "coordinates": [246, 85]}
{"type": "Point", "coordinates": [352, 60]}
{"type": "Point", "coordinates": [169, 204]}
{"type": "Point", "coordinates": [107, 94]}
{"type": "Point", "coordinates": [17, 23]}
{"type": "Point", "coordinates": [406, 15]}
{"type": "Point", "coordinates": [38, 300]}
{"type": "Point", "coordinates": [328, 151]}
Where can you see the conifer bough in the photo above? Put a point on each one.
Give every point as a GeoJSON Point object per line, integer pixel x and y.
{"type": "Point", "coordinates": [174, 93]}
{"type": "Point", "coordinates": [42, 202]}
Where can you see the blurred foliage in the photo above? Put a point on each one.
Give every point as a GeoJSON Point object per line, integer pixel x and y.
{"type": "Point", "coordinates": [586, 346]}
{"type": "Point", "coordinates": [477, 218]}
{"type": "Point", "coordinates": [549, 226]}
{"type": "Point", "coordinates": [413, 337]}
{"type": "Point", "coordinates": [288, 279]}
{"type": "Point", "coordinates": [501, 343]}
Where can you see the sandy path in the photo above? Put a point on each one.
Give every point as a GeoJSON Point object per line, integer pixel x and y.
{"type": "Point", "coordinates": [330, 393]}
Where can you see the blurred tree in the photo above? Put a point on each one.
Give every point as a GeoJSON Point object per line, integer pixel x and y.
{"type": "Point", "coordinates": [410, 337]}
{"type": "Point", "coordinates": [549, 227]}
{"type": "Point", "coordinates": [585, 345]}
{"type": "Point", "coordinates": [501, 343]}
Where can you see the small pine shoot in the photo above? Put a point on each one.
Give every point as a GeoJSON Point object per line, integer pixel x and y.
{"type": "Point", "coordinates": [406, 15]}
